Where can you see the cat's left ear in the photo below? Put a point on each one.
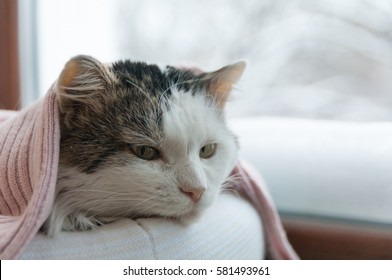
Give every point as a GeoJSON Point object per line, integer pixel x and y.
{"type": "Point", "coordinates": [220, 83]}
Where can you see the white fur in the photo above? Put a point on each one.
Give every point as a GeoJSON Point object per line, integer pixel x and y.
{"type": "Point", "coordinates": [149, 188]}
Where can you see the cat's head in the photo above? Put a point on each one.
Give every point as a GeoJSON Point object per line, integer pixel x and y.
{"type": "Point", "coordinates": [138, 140]}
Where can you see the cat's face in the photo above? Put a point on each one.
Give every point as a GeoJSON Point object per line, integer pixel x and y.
{"type": "Point", "coordinates": [140, 141]}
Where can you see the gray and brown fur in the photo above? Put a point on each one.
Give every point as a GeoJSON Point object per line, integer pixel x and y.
{"type": "Point", "coordinates": [105, 108]}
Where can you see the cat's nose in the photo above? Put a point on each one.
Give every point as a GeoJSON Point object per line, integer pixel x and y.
{"type": "Point", "coordinates": [193, 193]}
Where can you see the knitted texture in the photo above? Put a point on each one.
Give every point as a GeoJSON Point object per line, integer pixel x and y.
{"type": "Point", "coordinates": [29, 155]}
{"type": "Point", "coordinates": [250, 185]}
{"type": "Point", "coordinates": [230, 229]}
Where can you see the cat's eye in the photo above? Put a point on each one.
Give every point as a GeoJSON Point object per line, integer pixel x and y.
{"type": "Point", "coordinates": [207, 151]}
{"type": "Point", "coordinates": [145, 152]}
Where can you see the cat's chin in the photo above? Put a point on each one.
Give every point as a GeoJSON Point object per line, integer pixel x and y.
{"type": "Point", "coordinates": [183, 218]}
{"type": "Point", "coordinates": [191, 217]}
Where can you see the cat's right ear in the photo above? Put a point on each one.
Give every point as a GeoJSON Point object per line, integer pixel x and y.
{"type": "Point", "coordinates": [82, 78]}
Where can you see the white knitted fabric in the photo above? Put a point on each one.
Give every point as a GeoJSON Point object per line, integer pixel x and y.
{"type": "Point", "coordinates": [230, 229]}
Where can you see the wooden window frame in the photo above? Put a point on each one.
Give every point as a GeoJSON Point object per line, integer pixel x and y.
{"type": "Point", "coordinates": [9, 66]}
{"type": "Point", "coordinates": [317, 238]}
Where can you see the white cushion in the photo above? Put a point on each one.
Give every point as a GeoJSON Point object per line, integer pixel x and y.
{"type": "Point", "coordinates": [230, 229]}
{"type": "Point", "coordinates": [318, 167]}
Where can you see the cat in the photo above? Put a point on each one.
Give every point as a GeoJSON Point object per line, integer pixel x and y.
{"type": "Point", "coordinates": [139, 140]}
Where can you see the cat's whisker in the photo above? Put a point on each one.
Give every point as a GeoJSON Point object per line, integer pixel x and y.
{"type": "Point", "coordinates": [80, 190]}
{"type": "Point", "coordinates": [125, 213]}
{"type": "Point", "coordinates": [230, 190]}
{"type": "Point", "coordinates": [139, 213]}
{"type": "Point", "coordinates": [143, 201]}
{"type": "Point", "coordinates": [91, 205]}
{"type": "Point", "coordinates": [111, 205]}
{"type": "Point", "coordinates": [233, 179]}
{"type": "Point", "coordinates": [108, 194]}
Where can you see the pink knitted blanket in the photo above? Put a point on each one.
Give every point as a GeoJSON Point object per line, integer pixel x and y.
{"type": "Point", "coordinates": [29, 154]}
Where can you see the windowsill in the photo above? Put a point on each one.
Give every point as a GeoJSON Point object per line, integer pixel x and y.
{"type": "Point", "coordinates": [334, 239]}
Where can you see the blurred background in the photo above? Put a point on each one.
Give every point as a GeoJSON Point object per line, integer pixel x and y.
{"type": "Point", "coordinates": [312, 59]}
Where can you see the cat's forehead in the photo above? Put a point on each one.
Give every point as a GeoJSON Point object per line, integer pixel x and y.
{"type": "Point", "coordinates": [141, 77]}
{"type": "Point", "coordinates": [146, 94]}
{"type": "Point", "coordinates": [157, 79]}
{"type": "Point", "coordinates": [191, 121]}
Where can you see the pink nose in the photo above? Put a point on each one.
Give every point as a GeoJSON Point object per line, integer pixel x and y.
{"type": "Point", "coordinates": [193, 193]}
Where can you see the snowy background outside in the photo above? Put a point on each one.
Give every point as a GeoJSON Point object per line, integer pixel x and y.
{"type": "Point", "coordinates": [317, 59]}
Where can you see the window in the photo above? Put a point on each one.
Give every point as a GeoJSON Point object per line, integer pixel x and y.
{"type": "Point", "coordinates": [9, 80]}
{"type": "Point", "coordinates": [301, 60]}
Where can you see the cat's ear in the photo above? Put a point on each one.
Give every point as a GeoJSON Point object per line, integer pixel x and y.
{"type": "Point", "coordinates": [220, 83]}
{"type": "Point", "coordinates": [82, 78]}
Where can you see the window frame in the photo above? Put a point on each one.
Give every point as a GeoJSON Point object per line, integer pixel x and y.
{"type": "Point", "coordinates": [9, 55]}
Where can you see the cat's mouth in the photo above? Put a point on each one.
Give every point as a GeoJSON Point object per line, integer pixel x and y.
{"type": "Point", "coordinates": [191, 210]}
